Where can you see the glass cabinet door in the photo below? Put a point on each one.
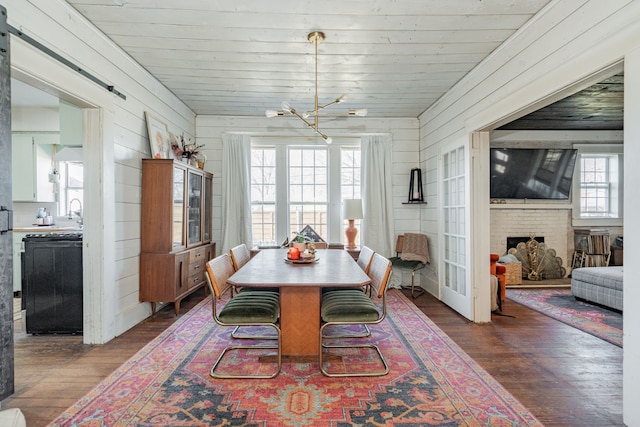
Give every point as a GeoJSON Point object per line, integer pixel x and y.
{"type": "Point", "coordinates": [177, 230]}
{"type": "Point", "coordinates": [194, 208]}
{"type": "Point", "coordinates": [206, 221]}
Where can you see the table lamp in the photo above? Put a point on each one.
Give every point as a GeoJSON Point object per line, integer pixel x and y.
{"type": "Point", "coordinates": [352, 210]}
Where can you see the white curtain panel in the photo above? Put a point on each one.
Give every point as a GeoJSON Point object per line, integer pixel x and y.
{"type": "Point", "coordinates": [236, 191]}
{"type": "Point", "coordinates": [377, 225]}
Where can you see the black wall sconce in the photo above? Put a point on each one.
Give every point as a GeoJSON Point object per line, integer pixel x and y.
{"type": "Point", "coordinates": [415, 187]}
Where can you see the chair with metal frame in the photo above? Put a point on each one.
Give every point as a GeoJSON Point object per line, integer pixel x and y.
{"type": "Point", "coordinates": [364, 261]}
{"type": "Point", "coordinates": [354, 307]}
{"type": "Point", "coordinates": [365, 258]}
{"type": "Point", "coordinates": [412, 265]}
{"type": "Point", "coordinates": [244, 309]}
{"type": "Point", "coordinates": [240, 255]}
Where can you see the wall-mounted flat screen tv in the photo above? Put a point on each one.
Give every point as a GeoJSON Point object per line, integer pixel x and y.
{"type": "Point", "coordinates": [525, 173]}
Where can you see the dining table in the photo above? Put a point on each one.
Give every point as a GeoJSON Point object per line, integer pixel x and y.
{"type": "Point", "coordinates": [300, 287]}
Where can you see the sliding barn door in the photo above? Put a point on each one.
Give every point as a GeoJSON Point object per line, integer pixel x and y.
{"type": "Point", "coordinates": [6, 205]}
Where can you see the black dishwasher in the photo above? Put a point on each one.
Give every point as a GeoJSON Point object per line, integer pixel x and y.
{"type": "Point", "coordinates": [52, 283]}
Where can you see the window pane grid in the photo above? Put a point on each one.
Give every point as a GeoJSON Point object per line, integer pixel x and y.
{"type": "Point", "coordinates": [454, 194]}
{"type": "Point", "coordinates": [595, 186]}
{"type": "Point", "coordinates": [350, 183]}
{"type": "Point", "coordinates": [308, 197]}
{"type": "Point", "coordinates": [71, 185]}
{"type": "Point", "coordinates": [313, 215]}
{"type": "Point", "coordinates": [350, 173]}
{"type": "Point", "coordinates": [263, 195]}
{"type": "Point", "coordinates": [263, 223]}
{"type": "Point", "coordinates": [294, 185]}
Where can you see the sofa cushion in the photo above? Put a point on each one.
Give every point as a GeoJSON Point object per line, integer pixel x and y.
{"type": "Point", "coordinates": [606, 277]}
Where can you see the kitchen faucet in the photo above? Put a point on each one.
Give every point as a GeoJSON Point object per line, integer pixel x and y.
{"type": "Point", "coordinates": [78, 212]}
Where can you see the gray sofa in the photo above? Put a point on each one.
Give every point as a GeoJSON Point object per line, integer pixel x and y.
{"type": "Point", "coordinates": [602, 285]}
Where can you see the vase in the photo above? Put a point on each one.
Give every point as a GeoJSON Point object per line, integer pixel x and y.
{"type": "Point", "coordinates": [301, 246]}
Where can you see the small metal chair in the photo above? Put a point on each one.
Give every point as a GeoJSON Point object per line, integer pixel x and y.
{"type": "Point", "coordinates": [354, 307]}
{"type": "Point", "coordinates": [414, 266]}
{"type": "Point", "coordinates": [244, 309]}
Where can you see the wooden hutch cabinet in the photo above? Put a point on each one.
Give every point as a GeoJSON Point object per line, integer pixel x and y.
{"type": "Point", "coordinates": [175, 230]}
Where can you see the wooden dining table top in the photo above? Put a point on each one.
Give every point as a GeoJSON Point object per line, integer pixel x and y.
{"type": "Point", "coordinates": [269, 268]}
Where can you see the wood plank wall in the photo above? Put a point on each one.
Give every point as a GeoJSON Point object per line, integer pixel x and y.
{"type": "Point", "coordinates": [114, 183]}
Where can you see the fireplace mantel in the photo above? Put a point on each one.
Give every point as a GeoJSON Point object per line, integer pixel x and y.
{"type": "Point", "coordinates": [530, 205]}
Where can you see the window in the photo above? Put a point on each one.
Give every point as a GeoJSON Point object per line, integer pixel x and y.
{"type": "Point", "coordinates": [599, 186]}
{"type": "Point", "coordinates": [294, 185]}
{"type": "Point", "coordinates": [350, 171]}
{"type": "Point", "coordinates": [263, 195]}
{"type": "Point", "coordinates": [350, 183]}
{"type": "Point", "coordinates": [71, 187]}
{"type": "Point", "coordinates": [595, 186]}
{"type": "Point", "coordinates": [308, 195]}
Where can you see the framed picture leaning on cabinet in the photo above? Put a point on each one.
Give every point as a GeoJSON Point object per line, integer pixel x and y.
{"type": "Point", "coordinates": [158, 137]}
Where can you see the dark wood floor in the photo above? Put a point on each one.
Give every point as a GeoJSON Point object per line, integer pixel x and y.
{"type": "Point", "coordinates": [563, 376]}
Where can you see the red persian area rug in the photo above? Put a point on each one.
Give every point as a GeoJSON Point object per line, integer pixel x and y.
{"type": "Point", "coordinates": [559, 304]}
{"type": "Point", "coordinates": [432, 382]}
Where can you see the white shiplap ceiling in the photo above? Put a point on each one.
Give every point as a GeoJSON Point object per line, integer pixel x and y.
{"type": "Point", "coordinates": [241, 57]}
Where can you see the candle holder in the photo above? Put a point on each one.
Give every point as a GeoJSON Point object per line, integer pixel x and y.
{"type": "Point", "coordinates": [415, 187]}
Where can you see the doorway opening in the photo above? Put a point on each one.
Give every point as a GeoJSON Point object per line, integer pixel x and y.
{"type": "Point", "coordinates": [47, 174]}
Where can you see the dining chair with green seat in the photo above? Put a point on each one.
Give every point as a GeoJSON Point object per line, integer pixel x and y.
{"type": "Point", "coordinates": [244, 309]}
{"type": "Point", "coordinates": [354, 307]}
{"type": "Point", "coordinates": [240, 255]}
{"type": "Point", "coordinates": [365, 258]}
{"type": "Point", "coordinates": [364, 261]}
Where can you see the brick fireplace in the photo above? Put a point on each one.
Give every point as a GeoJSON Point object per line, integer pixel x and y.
{"type": "Point", "coordinates": [554, 224]}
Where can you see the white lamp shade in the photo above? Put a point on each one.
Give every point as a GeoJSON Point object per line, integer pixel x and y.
{"type": "Point", "coordinates": [352, 209]}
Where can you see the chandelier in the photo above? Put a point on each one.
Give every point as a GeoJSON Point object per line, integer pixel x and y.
{"type": "Point", "coordinates": [310, 117]}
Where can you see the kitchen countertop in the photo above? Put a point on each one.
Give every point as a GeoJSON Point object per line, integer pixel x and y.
{"type": "Point", "coordinates": [44, 229]}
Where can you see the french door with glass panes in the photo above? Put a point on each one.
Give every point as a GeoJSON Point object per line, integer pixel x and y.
{"type": "Point", "coordinates": [454, 280]}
